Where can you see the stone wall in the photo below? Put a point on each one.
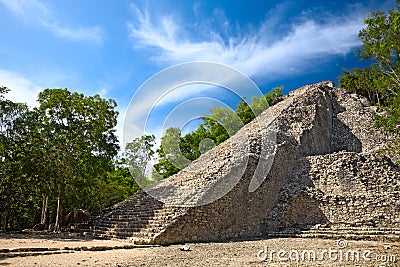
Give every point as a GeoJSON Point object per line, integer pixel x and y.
{"type": "Point", "coordinates": [342, 189]}
{"type": "Point", "coordinates": [327, 173]}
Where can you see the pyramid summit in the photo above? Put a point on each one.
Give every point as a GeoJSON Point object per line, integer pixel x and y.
{"type": "Point", "coordinates": [311, 165]}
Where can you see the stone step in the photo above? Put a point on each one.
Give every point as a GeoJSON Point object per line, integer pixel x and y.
{"type": "Point", "coordinates": [139, 218]}
{"type": "Point", "coordinates": [105, 229]}
{"type": "Point", "coordinates": [122, 224]}
{"type": "Point", "coordinates": [131, 213]}
{"type": "Point", "coordinates": [127, 230]}
{"type": "Point", "coordinates": [132, 216]}
{"type": "Point", "coordinates": [348, 229]}
{"type": "Point", "coordinates": [350, 234]}
{"type": "Point", "coordinates": [132, 237]}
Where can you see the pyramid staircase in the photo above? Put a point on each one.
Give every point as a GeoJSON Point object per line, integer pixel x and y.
{"type": "Point", "coordinates": [139, 218]}
{"type": "Point", "coordinates": [326, 181]}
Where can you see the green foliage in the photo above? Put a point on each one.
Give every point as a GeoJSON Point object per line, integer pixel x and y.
{"type": "Point", "coordinates": [381, 42]}
{"type": "Point", "coordinates": [13, 186]}
{"type": "Point", "coordinates": [370, 83]}
{"type": "Point", "coordinates": [137, 154]}
{"type": "Point", "coordinates": [380, 83]}
{"type": "Point", "coordinates": [274, 96]}
{"type": "Point", "coordinates": [62, 150]}
{"type": "Point", "coordinates": [247, 113]}
{"type": "Point", "coordinates": [170, 159]}
{"type": "Point", "coordinates": [102, 191]}
{"type": "Point", "coordinates": [77, 133]}
{"type": "Point", "coordinates": [176, 152]}
{"type": "Point", "coordinates": [244, 112]}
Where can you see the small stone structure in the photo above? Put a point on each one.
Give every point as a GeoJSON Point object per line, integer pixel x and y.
{"type": "Point", "coordinates": [77, 216]}
{"type": "Point", "coordinates": [328, 179]}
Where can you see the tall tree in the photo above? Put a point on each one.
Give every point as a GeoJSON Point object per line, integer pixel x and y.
{"type": "Point", "coordinates": [222, 123]}
{"type": "Point", "coordinates": [61, 150]}
{"type": "Point", "coordinates": [79, 137]}
{"type": "Point", "coordinates": [138, 153]}
{"type": "Point", "coordinates": [170, 156]}
{"type": "Point", "coordinates": [381, 41]}
{"type": "Point", "coordinates": [11, 172]}
{"type": "Point", "coordinates": [176, 152]}
{"type": "Point", "coordinates": [380, 82]}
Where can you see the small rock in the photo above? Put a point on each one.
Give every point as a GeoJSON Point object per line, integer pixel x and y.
{"type": "Point", "coordinates": [186, 248]}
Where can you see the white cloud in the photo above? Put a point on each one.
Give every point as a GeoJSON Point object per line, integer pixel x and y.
{"type": "Point", "coordinates": [22, 90]}
{"type": "Point", "coordinates": [150, 106]}
{"type": "Point", "coordinates": [260, 51]}
{"type": "Point", "coordinates": [102, 92]}
{"type": "Point", "coordinates": [92, 34]}
{"type": "Point", "coordinates": [255, 53]}
{"type": "Point", "coordinates": [27, 9]}
{"type": "Point", "coordinates": [38, 13]}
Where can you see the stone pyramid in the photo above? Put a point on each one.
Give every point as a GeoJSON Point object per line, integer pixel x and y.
{"type": "Point", "coordinates": [328, 178]}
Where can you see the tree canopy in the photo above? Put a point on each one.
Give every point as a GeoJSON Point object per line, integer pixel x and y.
{"type": "Point", "coordinates": [64, 153]}
{"type": "Point", "coordinates": [176, 151]}
{"type": "Point", "coordinates": [60, 154]}
{"type": "Point", "coordinates": [380, 82]}
{"type": "Point", "coordinates": [137, 156]}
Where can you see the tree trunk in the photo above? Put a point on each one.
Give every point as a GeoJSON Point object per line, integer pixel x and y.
{"type": "Point", "coordinates": [57, 225]}
{"type": "Point", "coordinates": [377, 97]}
{"type": "Point", "coordinates": [369, 95]}
{"type": "Point", "coordinates": [44, 209]}
{"type": "Point", "coordinates": [4, 221]}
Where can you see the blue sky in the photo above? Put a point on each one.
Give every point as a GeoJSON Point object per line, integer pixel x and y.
{"type": "Point", "coordinates": [112, 47]}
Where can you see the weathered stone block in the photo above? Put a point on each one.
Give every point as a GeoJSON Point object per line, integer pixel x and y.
{"type": "Point", "coordinates": [326, 175]}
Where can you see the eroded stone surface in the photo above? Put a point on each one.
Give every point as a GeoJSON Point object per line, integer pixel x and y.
{"type": "Point", "coordinates": [327, 173]}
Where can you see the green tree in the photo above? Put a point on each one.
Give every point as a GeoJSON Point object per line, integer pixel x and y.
{"type": "Point", "coordinates": [170, 157]}
{"type": "Point", "coordinates": [247, 113]}
{"type": "Point", "coordinates": [63, 151]}
{"type": "Point", "coordinates": [222, 123]}
{"type": "Point", "coordinates": [244, 112]}
{"type": "Point", "coordinates": [79, 137]}
{"type": "Point", "coordinates": [370, 83]}
{"type": "Point", "coordinates": [274, 96]}
{"type": "Point", "coordinates": [36, 164]}
{"type": "Point", "coordinates": [177, 152]}
{"type": "Point", "coordinates": [381, 41]}
{"type": "Point", "coordinates": [138, 153]}
{"type": "Point", "coordinates": [194, 144]}
{"type": "Point", "coordinates": [12, 187]}
{"type": "Point", "coordinates": [380, 83]}
{"type": "Point", "coordinates": [101, 191]}
{"type": "Point", "coordinates": [118, 186]}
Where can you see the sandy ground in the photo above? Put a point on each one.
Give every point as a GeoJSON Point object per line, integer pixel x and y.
{"type": "Point", "coordinates": [280, 252]}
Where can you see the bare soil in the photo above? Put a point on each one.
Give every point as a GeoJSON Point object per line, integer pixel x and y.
{"type": "Point", "coordinates": [17, 250]}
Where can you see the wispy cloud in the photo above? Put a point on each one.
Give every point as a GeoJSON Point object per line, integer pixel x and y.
{"type": "Point", "coordinates": [22, 90]}
{"type": "Point", "coordinates": [93, 34]}
{"type": "Point", "coordinates": [270, 49]}
{"type": "Point", "coordinates": [258, 52]}
{"type": "Point", "coordinates": [155, 102]}
{"type": "Point", "coordinates": [34, 11]}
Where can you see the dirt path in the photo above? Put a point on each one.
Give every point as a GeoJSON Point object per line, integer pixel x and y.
{"type": "Point", "coordinates": [240, 253]}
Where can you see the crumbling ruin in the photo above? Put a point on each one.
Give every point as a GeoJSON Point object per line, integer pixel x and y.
{"type": "Point", "coordinates": [328, 179]}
